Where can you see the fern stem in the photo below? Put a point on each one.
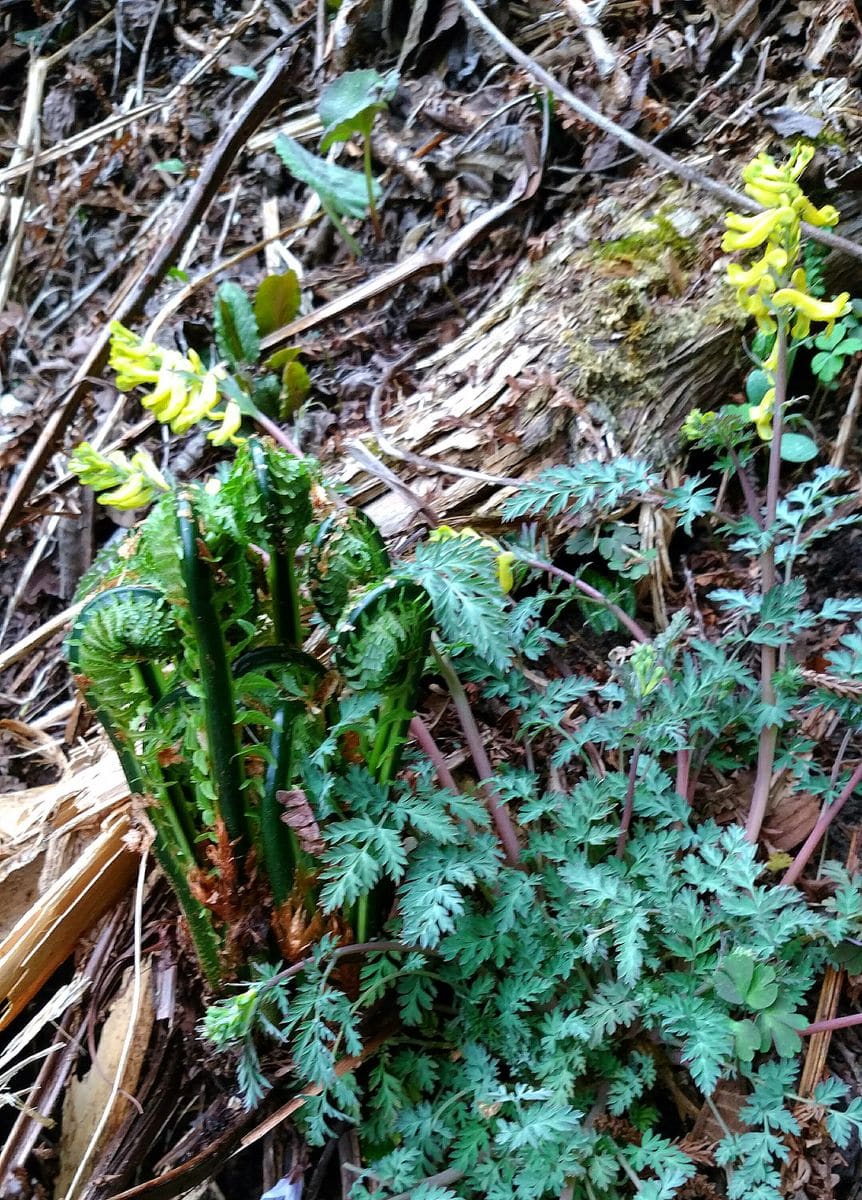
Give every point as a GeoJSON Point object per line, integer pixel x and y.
{"type": "Point", "coordinates": [496, 807]}
{"type": "Point", "coordinates": [278, 842]}
{"type": "Point", "coordinates": [768, 657]}
{"type": "Point", "coordinates": [216, 681]}
{"type": "Point", "coordinates": [172, 851]}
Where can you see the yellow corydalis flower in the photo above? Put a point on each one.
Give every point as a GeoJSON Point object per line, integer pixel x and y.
{"type": "Point", "coordinates": [773, 288]}
{"type": "Point", "coordinates": [182, 391]}
{"type": "Point", "coordinates": [123, 482]}
{"type": "Point", "coordinates": [505, 558]}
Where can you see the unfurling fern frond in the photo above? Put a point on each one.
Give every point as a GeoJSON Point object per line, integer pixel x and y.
{"type": "Point", "coordinates": [348, 552]}
{"type": "Point", "coordinates": [116, 629]}
{"type": "Point", "coordinates": [384, 636]}
{"type": "Point", "coordinates": [284, 484]}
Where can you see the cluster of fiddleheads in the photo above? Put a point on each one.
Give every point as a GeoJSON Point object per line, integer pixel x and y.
{"type": "Point", "coordinates": [189, 651]}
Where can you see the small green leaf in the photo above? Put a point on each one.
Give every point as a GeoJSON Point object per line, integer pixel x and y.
{"type": "Point", "coordinates": [826, 366]}
{"type": "Point", "coordinates": [282, 357]}
{"type": "Point", "coordinates": [243, 71]}
{"type": "Point", "coordinates": [798, 448]}
{"type": "Point", "coordinates": [349, 103]}
{"type": "Point", "coordinates": [345, 192]}
{"type": "Point", "coordinates": [236, 329]}
{"type": "Point", "coordinates": [746, 1038]}
{"type": "Point", "coordinates": [733, 978]}
{"type": "Point", "coordinates": [828, 341]}
{"type": "Point", "coordinates": [763, 991]}
{"type": "Point", "coordinates": [178, 273]}
{"type": "Point", "coordinates": [295, 387]}
{"type": "Point", "coordinates": [757, 385]}
{"type": "Point", "coordinates": [172, 166]}
{"type": "Point", "coordinates": [779, 1027]}
{"type": "Point", "coordinates": [276, 301]}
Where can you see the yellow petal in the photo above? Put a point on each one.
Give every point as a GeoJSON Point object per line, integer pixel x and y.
{"type": "Point", "coordinates": [744, 233]}
{"type": "Point", "coordinates": [230, 419]}
{"type": "Point", "coordinates": [132, 494]}
{"type": "Point", "coordinates": [815, 310]}
{"type": "Point", "coordinates": [825, 216]}
{"type": "Point", "coordinates": [505, 573]}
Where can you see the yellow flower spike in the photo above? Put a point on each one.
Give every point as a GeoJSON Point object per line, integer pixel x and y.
{"type": "Point", "coordinates": [814, 310]}
{"type": "Point", "coordinates": [230, 419]}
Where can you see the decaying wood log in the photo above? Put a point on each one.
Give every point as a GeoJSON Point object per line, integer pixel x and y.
{"type": "Point", "coordinates": [599, 348]}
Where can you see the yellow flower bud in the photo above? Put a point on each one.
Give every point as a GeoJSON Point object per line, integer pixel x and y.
{"type": "Point", "coordinates": [134, 493]}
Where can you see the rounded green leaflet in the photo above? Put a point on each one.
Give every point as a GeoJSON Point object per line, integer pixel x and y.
{"type": "Point", "coordinates": [798, 448]}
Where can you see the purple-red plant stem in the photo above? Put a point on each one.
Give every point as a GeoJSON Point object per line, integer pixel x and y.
{"type": "Point", "coordinates": [683, 771]}
{"type": "Point", "coordinates": [425, 739]}
{"type": "Point", "coordinates": [831, 1024]}
{"type": "Point", "coordinates": [496, 807]}
{"type": "Point", "coordinates": [747, 489]}
{"type": "Point", "coordinates": [539, 564]}
{"type": "Point", "coordinates": [628, 807]}
{"type": "Point", "coordinates": [823, 822]}
{"type": "Point", "coordinates": [277, 434]}
{"type": "Point", "coordinates": [768, 658]}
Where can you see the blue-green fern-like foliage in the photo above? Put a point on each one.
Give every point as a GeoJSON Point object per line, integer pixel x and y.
{"type": "Point", "coordinates": [533, 1013]}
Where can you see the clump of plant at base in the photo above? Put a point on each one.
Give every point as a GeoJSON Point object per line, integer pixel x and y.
{"type": "Point", "coordinates": [551, 974]}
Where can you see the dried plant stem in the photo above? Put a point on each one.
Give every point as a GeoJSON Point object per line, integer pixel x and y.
{"type": "Point", "coordinates": [827, 816]}
{"type": "Point", "coordinates": [499, 813]}
{"type": "Point", "coordinates": [768, 655]}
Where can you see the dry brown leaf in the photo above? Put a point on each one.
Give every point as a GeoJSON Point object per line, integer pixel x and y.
{"type": "Point", "coordinates": [87, 1098]}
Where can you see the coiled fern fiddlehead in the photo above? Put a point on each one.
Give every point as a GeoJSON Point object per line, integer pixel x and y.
{"type": "Point", "coordinates": [116, 647]}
